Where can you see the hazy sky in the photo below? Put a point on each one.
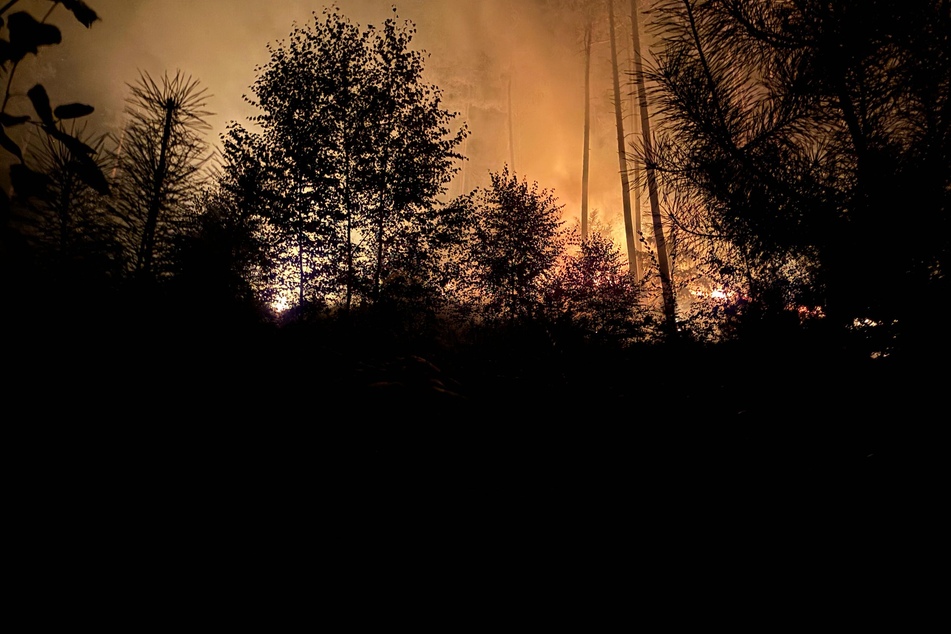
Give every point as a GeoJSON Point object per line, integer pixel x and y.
{"type": "Point", "coordinates": [473, 46]}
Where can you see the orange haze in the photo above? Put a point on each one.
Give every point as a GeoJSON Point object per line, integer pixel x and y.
{"type": "Point", "coordinates": [475, 48]}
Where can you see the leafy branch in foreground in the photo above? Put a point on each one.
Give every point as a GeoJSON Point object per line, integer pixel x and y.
{"type": "Point", "coordinates": [25, 35]}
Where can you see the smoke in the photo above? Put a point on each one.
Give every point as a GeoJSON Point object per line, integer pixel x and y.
{"type": "Point", "coordinates": [499, 63]}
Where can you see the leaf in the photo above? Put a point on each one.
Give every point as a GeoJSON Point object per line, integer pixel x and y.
{"type": "Point", "coordinates": [9, 145]}
{"type": "Point", "coordinates": [92, 174]}
{"type": "Point", "coordinates": [76, 147]}
{"type": "Point", "coordinates": [81, 10]}
{"type": "Point", "coordinates": [5, 51]}
{"type": "Point", "coordinates": [8, 120]}
{"type": "Point", "coordinates": [73, 111]}
{"type": "Point", "coordinates": [82, 154]}
{"type": "Point", "coordinates": [27, 35]}
{"type": "Point", "coordinates": [41, 103]}
{"type": "Point", "coordinates": [27, 183]}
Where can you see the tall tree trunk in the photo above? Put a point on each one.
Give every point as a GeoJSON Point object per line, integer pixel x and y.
{"type": "Point", "coordinates": [635, 183]}
{"type": "Point", "coordinates": [586, 162]}
{"type": "Point", "coordinates": [465, 142]}
{"type": "Point", "coordinates": [300, 253]}
{"type": "Point", "coordinates": [380, 250]}
{"type": "Point", "coordinates": [348, 204]}
{"type": "Point", "coordinates": [621, 153]}
{"type": "Point", "coordinates": [147, 246]}
{"type": "Point", "coordinates": [670, 304]}
{"type": "Point", "coordinates": [511, 123]}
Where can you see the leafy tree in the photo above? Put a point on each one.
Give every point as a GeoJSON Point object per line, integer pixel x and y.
{"type": "Point", "coordinates": [218, 260]}
{"type": "Point", "coordinates": [801, 131]}
{"type": "Point", "coordinates": [593, 293]}
{"type": "Point", "coordinates": [357, 150]}
{"type": "Point", "coordinates": [160, 155]}
{"type": "Point", "coordinates": [517, 243]}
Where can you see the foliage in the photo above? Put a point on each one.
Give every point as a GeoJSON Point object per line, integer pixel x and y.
{"type": "Point", "coordinates": [813, 136]}
{"type": "Point", "coordinates": [65, 221]}
{"type": "Point", "coordinates": [217, 262]}
{"type": "Point", "coordinates": [517, 243]}
{"type": "Point", "coordinates": [354, 149]}
{"type": "Point", "coordinates": [25, 36]}
{"type": "Point", "coordinates": [799, 130]}
{"type": "Point", "coordinates": [160, 155]}
{"type": "Point", "coordinates": [594, 293]}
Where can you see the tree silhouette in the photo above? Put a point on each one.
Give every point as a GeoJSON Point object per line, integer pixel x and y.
{"type": "Point", "coordinates": [801, 129]}
{"type": "Point", "coordinates": [71, 227]}
{"type": "Point", "coordinates": [518, 241]}
{"type": "Point", "coordinates": [160, 155]}
{"type": "Point", "coordinates": [593, 293]}
{"type": "Point", "coordinates": [630, 238]}
{"type": "Point", "coordinates": [359, 148]}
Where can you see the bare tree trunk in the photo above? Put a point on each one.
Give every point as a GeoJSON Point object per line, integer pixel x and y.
{"type": "Point", "coordinates": [636, 180]}
{"type": "Point", "coordinates": [465, 142]}
{"type": "Point", "coordinates": [586, 163]}
{"type": "Point", "coordinates": [511, 124]}
{"type": "Point", "coordinates": [621, 154]}
{"type": "Point", "coordinates": [670, 305]}
{"type": "Point", "coordinates": [147, 246]}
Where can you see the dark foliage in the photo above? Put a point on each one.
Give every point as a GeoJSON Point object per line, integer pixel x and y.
{"type": "Point", "coordinates": [160, 155]}
{"type": "Point", "coordinates": [810, 138]}
{"type": "Point", "coordinates": [353, 152]}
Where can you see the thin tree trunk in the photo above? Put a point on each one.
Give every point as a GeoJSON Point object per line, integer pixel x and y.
{"type": "Point", "coordinates": [586, 163]}
{"type": "Point", "coordinates": [511, 125]}
{"type": "Point", "coordinates": [621, 154]}
{"type": "Point", "coordinates": [635, 183]}
{"type": "Point", "coordinates": [380, 250]}
{"type": "Point", "coordinates": [465, 142]}
{"type": "Point", "coordinates": [348, 204]}
{"type": "Point", "coordinates": [300, 253]}
{"type": "Point", "coordinates": [155, 202]}
{"type": "Point", "coordinates": [670, 304]}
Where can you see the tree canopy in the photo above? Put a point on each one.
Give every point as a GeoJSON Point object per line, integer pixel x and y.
{"type": "Point", "coordinates": [813, 138]}
{"type": "Point", "coordinates": [354, 147]}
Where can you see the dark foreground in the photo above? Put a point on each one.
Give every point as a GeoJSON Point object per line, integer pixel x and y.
{"type": "Point", "coordinates": [419, 483]}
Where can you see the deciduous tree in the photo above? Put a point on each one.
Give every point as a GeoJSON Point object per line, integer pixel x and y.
{"type": "Point", "coordinates": [519, 239]}
{"type": "Point", "coordinates": [358, 147]}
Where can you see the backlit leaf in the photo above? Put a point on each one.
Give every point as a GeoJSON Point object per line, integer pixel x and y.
{"type": "Point", "coordinates": [41, 103]}
{"type": "Point", "coordinates": [9, 120]}
{"type": "Point", "coordinates": [27, 35]}
{"type": "Point", "coordinates": [91, 174]}
{"type": "Point", "coordinates": [82, 154]}
{"type": "Point", "coordinates": [81, 10]}
{"type": "Point", "coordinates": [76, 147]}
{"type": "Point", "coordinates": [9, 145]}
{"type": "Point", "coordinates": [73, 111]}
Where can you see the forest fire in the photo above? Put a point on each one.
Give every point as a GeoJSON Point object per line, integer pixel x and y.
{"type": "Point", "coordinates": [444, 266]}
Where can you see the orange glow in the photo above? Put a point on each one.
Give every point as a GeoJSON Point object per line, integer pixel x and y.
{"type": "Point", "coordinates": [474, 49]}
